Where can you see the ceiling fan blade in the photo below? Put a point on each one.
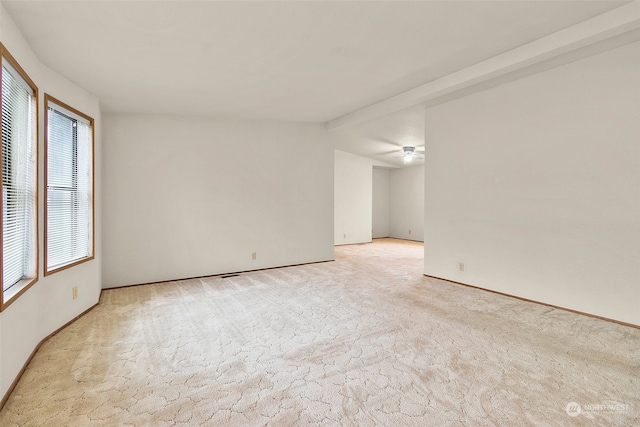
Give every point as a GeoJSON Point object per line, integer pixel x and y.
{"type": "Point", "coordinates": [388, 152]}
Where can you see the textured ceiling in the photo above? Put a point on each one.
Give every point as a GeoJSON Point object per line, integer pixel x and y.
{"type": "Point", "coordinates": [288, 61]}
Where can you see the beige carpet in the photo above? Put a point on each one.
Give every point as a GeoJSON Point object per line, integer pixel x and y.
{"type": "Point", "coordinates": [363, 341]}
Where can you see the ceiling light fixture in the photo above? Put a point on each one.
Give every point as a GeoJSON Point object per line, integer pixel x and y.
{"type": "Point", "coordinates": [408, 154]}
{"type": "Point", "coordinates": [407, 158]}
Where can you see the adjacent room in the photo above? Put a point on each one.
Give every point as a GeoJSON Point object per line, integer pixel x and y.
{"type": "Point", "coordinates": [320, 213]}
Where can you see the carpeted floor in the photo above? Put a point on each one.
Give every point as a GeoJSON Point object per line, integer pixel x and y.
{"type": "Point", "coordinates": [363, 341]}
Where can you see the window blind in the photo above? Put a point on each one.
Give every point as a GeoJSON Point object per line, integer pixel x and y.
{"type": "Point", "coordinates": [19, 222]}
{"type": "Point", "coordinates": [69, 187]}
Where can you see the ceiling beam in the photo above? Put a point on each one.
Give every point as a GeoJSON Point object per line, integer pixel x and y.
{"type": "Point", "coordinates": [612, 24]}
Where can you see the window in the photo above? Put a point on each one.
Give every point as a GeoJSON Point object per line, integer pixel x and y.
{"type": "Point", "coordinates": [19, 180]}
{"type": "Point", "coordinates": [69, 186]}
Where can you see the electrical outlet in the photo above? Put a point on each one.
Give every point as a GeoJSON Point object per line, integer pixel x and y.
{"type": "Point", "coordinates": [253, 255]}
{"type": "Point", "coordinates": [75, 292]}
{"type": "Point", "coordinates": [344, 235]}
{"type": "Point", "coordinates": [409, 231]}
{"type": "Point", "coordinates": [461, 266]}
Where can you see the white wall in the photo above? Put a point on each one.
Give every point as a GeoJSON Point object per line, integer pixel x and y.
{"type": "Point", "coordinates": [353, 197]}
{"type": "Point", "coordinates": [48, 304]}
{"type": "Point", "coordinates": [535, 186]}
{"type": "Point", "coordinates": [353, 189]}
{"type": "Point", "coordinates": [380, 214]}
{"type": "Point", "coordinates": [187, 197]}
{"type": "Point", "coordinates": [373, 202]}
{"type": "Point", "coordinates": [407, 203]}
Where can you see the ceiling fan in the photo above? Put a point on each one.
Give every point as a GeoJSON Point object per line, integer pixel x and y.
{"type": "Point", "coordinates": [410, 153]}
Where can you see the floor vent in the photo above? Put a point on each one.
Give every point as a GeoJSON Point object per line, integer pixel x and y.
{"type": "Point", "coordinates": [226, 276]}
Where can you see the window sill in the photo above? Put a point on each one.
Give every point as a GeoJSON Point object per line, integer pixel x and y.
{"type": "Point", "coordinates": [12, 294]}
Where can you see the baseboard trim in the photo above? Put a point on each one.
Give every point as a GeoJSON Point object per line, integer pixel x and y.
{"type": "Point", "coordinates": [378, 238]}
{"type": "Point", "coordinates": [401, 239]}
{"type": "Point", "coordinates": [35, 350]}
{"type": "Point", "coordinates": [217, 275]}
{"type": "Point", "coordinates": [595, 316]}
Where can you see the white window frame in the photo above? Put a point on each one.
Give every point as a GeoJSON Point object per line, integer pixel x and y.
{"type": "Point", "coordinates": [78, 118]}
{"type": "Point", "coordinates": [10, 292]}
